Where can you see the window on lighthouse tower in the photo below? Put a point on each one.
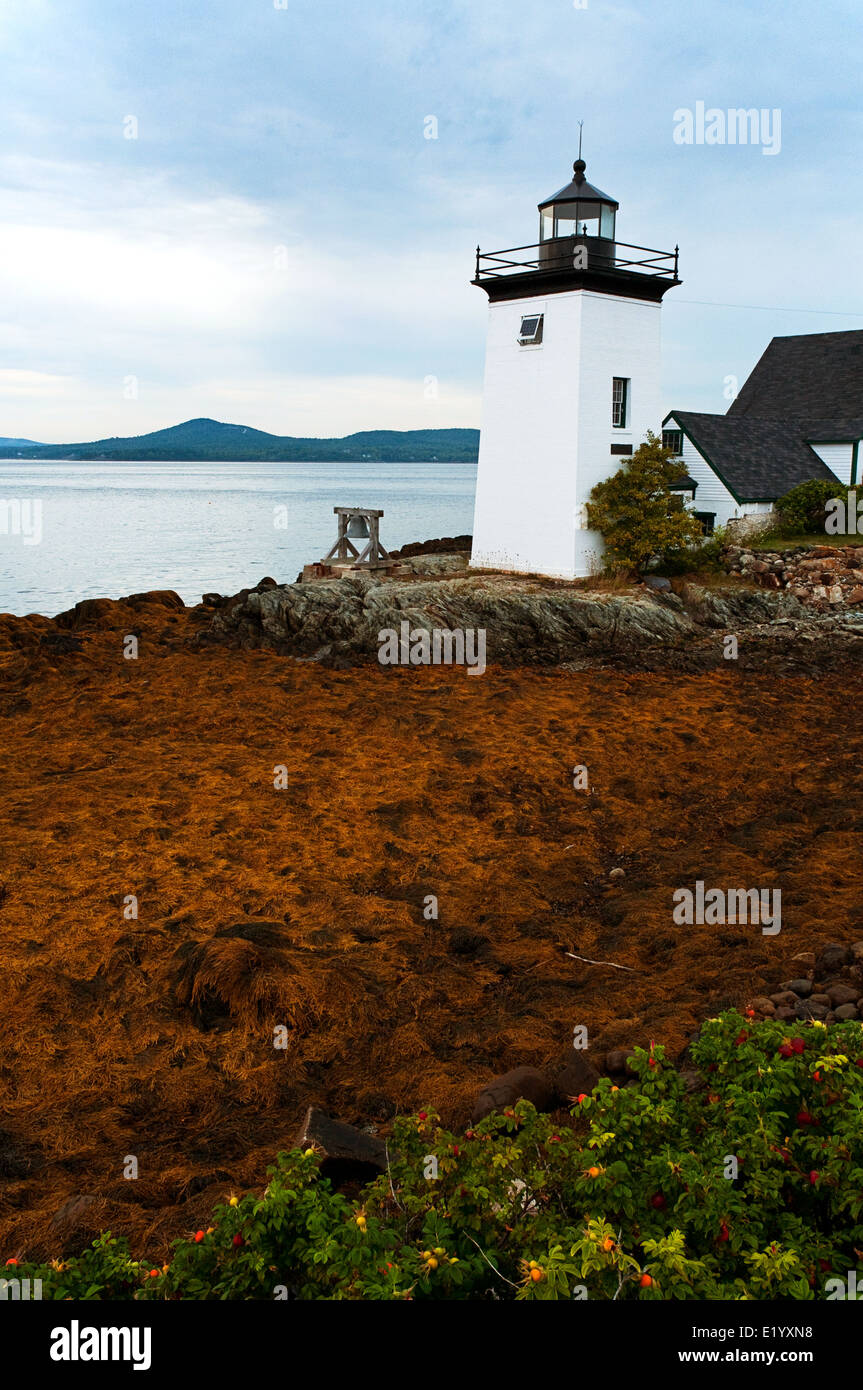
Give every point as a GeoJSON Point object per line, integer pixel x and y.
{"type": "Point", "coordinates": [619, 395]}
{"type": "Point", "coordinates": [531, 329]}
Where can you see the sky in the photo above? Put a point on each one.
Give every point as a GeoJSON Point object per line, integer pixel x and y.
{"type": "Point", "coordinates": [232, 208]}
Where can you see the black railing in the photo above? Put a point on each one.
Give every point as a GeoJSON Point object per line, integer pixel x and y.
{"type": "Point", "coordinates": [576, 253]}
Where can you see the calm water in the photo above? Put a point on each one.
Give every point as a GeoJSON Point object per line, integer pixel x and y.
{"type": "Point", "coordinates": [109, 529]}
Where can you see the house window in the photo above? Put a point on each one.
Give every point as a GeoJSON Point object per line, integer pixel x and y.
{"type": "Point", "coordinates": [619, 394]}
{"type": "Point", "coordinates": [708, 520]}
{"type": "Point", "coordinates": [673, 440]}
{"type": "Point", "coordinates": [531, 329]}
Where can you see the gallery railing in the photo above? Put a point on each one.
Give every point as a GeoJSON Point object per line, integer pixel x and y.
{"type": "Point", "coordinates": [578, 253]}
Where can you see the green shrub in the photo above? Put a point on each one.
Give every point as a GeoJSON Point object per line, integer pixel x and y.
{"type": "Point", "coordinates": [639, 517]}
{"type": "Point", "coordinates": [803, 510]}
{"type": "Point", "coordinates": [631, 1200]}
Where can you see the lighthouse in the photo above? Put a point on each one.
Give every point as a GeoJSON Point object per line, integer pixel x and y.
{"type": "Point", "coordinates": [572, 380]}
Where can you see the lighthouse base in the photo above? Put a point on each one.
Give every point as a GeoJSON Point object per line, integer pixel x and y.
{"type": "Point", "coordinates": [583, 560]}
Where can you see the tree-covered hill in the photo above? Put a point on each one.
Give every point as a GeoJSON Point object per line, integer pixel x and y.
{"type": "Point", "coordinates": [207, 440]}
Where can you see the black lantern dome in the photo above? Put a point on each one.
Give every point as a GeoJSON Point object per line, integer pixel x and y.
{"type": "Point", "coordinates": [579, 209]}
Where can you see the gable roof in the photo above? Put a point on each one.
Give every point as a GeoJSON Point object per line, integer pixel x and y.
{"type": "Point", "coordinates": [809, 376]}
{"type": "Point", "coordinates": [757, 459]}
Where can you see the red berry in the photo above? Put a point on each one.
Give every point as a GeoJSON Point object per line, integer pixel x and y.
{"type": "Point", "coordinates": [555, 1139]}
{"type": "Point", "coordinates": [817, 1075]}
{"type": "Point", "coordinates": [658, 1201]}
{"type": "Point", "coordinates": [11, 1262]}
{"type": "Point", "coordinates": [813, 1177]}
{"type": "Point", "coordinates": [582, 1097]}
{"type": "Point", "coordinates": [238, 1241]}
{"type": "Point", "coordinates": [741, 1038]}
{"type": "Point", "coordinates": [455, 1149]}
{"type": "Point", "coordinates": [786, 1050]}
{"type": "Point", "coordinates": [723, 1232]}
{"type": "Point", "coordinates": [750, 1013]}
{"type": "Point", "coordinates": [199, 1236]}
{"type": "Point", "coordinates": [804, 1118]}
{"type": "Point", "coordinates": [798, 1045]}
{"type": "Point", "coordinates": [422, 1115]}
{"type": "Point", "coordinates": [645, 1281]}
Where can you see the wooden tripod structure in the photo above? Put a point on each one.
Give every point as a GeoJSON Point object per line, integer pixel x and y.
{"type": "Point", "coordinates": [373, 555]}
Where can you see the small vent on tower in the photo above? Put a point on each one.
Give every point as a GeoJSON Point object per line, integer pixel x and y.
{"type": "Point", "coordinates": [531, 329]}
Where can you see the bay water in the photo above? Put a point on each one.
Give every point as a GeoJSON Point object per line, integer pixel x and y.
{"type": "Point", "coordinates": [71, 531]}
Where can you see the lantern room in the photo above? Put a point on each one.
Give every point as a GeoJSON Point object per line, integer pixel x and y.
{"type": "Point", "coordinates": [579, 209]}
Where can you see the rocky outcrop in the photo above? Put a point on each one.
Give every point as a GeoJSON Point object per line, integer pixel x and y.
{"type": "Point", "coordinates": [823, 576]}
{"type": "Point", "coordinates": [830, 990]}
{"type": "Point", "coordinates": [446, 545]}
{"type": "Point", "coordinates": [526, 621]}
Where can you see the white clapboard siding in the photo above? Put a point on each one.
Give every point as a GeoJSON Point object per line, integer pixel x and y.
{"type": "Point", "coordinates": [838, 459]}
{"type": "Point", "coordinates": [711, 494]}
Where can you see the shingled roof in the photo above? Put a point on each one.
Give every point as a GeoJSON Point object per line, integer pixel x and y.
{"type": "Point", "coordinates": [812, 376]}
{"type": "Point", "coordinates": [757, 459]}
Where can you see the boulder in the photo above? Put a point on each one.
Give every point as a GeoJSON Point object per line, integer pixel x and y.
{"type": "Point", "coordinates": [523, 1083]}
{"type": "Point", "coordinates": [573, 1074]}
{"type": "Point", "coordinates": [616, 1061]}
{"type": "Point", "coordinates": [763, 1005]}
{"type": "Point", "coordinates": [831, 958]}
{"type": "Point", "coordinates": [348, 1153]}
{"type": "Point", "coordinates": [801, 987]}
{"type": "Point", "coordinates": [846, 1011]}
{"type": "Point", "coordinates": [842, 994]}
{"type": "Point", "coordinates": [807, 1010]}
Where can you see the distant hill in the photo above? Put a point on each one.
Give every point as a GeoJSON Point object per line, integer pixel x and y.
{"type": "Point", "coordinates": [210, 440]}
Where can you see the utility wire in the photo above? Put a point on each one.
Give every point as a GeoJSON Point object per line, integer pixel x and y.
{"type": "Point", "coordinates": [772, 308]}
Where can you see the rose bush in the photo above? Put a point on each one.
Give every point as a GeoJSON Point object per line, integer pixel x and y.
{"type": "Point", "coordinates": [635, 1197]}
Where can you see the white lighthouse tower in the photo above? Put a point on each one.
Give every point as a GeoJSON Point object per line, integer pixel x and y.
{"type": "Point", "coordinates": [572, 380]}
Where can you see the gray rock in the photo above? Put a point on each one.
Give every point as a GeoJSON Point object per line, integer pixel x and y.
{"type": "Point", "coordinates": [347, 1152]}
{"type": "Point", "coordinates": [656, 582]}
{"type": "Point", "coordinates": [832, 958]}
{"type": "Point", "coordinates": [801, 987]}
{"type": "Point", "coordinates": [846, 1011]}
{"type": "Point", "coordinates": [821, 998]}
{"type": "Point", "coordinates": [807, 1010]}
{"type": "Point", "coordinates": [784, 997]}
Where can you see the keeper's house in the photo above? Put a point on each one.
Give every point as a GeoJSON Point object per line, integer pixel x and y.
{"type": "Point", "coordinates": [798, 416]}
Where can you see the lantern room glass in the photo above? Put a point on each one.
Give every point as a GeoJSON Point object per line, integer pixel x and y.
{"type": "Point", "coordinates": [585, 217]}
